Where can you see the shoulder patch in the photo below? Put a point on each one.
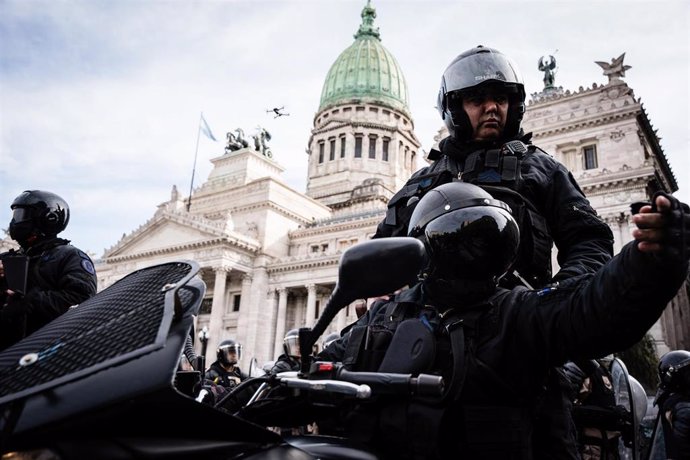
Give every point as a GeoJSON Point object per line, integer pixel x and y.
{"type": "Point", "coordinates": [87, 265]}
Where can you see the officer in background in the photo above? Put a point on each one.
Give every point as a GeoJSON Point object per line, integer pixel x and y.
{"type": "Point", "coordinates": [482, 102]}
{"type": "Point", "coordinates": [290, 359]}
{"type": "Point", "coordinates": [495, 346]}
{"type": "Point", "coordinates": [59, 275]}
{"type": "Point", "coordinates": [673, 400]}
{"type": "Point", "coordinates": [224, 372]}
{"type": "Point", "coordinates": [596, 415]}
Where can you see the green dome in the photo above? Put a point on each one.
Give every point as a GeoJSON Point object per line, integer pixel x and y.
{"type": "Point", "coordinates": [366, 71]}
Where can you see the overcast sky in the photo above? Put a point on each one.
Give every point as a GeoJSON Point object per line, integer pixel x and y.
{"type": "Point", "coordinates": [100, 100]}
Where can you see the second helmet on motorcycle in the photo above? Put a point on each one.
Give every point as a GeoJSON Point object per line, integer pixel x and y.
{"type": "Point", "coordinates": [474, 70]}
{"type": "Point", "coordinates": [674, 371]}
{"type": "Point", "coordinates": [467, 234]}
{"type": "Point", "coordinates": [37, 214]}
{"type": "Point", "coordinates": [229, 352]}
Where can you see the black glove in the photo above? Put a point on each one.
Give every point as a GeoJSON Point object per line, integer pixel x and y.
{"type": "Point", "coordinates": [678, 226]}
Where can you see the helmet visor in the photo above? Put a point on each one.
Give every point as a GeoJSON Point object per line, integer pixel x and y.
{"type": "Point", "coordinates": [20, 215]}
{"type": "Point", "coordinates": [292, 345]}
{"type": "Point", "coordinates": [473, 243]}
{"type": "Point", "coordinates": [231, 353]}
{"type": "Point", "coordinates": [478, 68]}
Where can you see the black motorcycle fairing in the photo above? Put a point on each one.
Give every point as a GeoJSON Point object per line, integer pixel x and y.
{"type": "Point", "coordinates": [117, 382]}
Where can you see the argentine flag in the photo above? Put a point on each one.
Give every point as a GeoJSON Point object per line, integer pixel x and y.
{"type": "Point", "coordinates": [205, 129]}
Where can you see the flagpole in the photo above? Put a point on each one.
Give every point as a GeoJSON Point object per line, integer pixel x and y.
{"type": "Point", "coordinates": [196, 152]}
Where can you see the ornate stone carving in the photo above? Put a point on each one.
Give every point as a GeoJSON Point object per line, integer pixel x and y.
{"type": "Point", "coordinates": [617, 135]}
{"type": "Point", "coordinates": [614, 70]}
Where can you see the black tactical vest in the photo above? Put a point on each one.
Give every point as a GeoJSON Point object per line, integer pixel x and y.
{"type": "Point", "coordinates": [498, 172]}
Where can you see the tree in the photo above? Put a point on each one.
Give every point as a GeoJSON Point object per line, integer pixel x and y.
{"type": "Point", "coordinates": [642, 363]}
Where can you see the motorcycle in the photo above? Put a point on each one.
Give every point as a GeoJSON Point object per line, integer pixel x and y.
{"type": "Point", "coordinates": [102, 380]}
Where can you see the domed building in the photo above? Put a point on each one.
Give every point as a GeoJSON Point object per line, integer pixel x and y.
{"type": "Point", "coordinates": [362, 146]}
{"type": "Point", "coordinates": [269, 254]}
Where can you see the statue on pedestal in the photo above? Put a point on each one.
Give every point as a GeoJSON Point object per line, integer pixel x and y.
{"type": "Point", "coordinates": [261, 142]}
{"type": "Point", "coordinates": [615, 70]}
{"type": "Point", "coordinates": [236, 141]}
{"type": "Point", "coordinates": [547, 64]}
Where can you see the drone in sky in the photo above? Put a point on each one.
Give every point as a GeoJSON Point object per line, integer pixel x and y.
{"type": "Point", "coordinates": [277, 111]}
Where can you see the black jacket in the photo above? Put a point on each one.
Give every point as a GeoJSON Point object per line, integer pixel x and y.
{"type": "Point", "coordinates": [217, 375]}
{"type": "Point", "coordinates": [59, 276]}
{"type": "Point", "coordinates": [583, 240]}
{"type": "Point", "coordinates": [512, 340]}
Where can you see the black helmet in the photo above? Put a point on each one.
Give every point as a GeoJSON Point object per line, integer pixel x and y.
{"type": "Point", "coordinates": [467, 234]}
{"type": "Point", "coordinates": [674, 370]}
{"type": "Point", "coordinates": [475, 68]}
{"type": "Point", "coordinates": [291, 343]}
{"type": "Point", "coordinates": [229, 352]}
{"type": "Point", "coordinates": [37, 214]}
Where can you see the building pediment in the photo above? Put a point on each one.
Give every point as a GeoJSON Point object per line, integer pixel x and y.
{"type": "Point", "coordinates": [177, 230]}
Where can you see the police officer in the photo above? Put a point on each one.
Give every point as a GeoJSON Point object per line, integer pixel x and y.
{"type": "Point", "coordinates": [482, 102]}
{"type": "Point", "coordinates": [58, 276]}
{"type": "Point", "coordinates": [290, 359]}
{"type": "Point", "coordinates": [225, 372]}
{"type": "Point", "coordinates": [495, 346]}
{"type": "Point", "coordinates": [673, 400]}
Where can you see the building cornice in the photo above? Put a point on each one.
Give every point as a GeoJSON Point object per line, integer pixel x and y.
{"type": "Point", "coordinates": [252, 250]}
{"type": "Point", "coordinates": [295, 264]}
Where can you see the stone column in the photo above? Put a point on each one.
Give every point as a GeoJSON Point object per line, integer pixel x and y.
{"type": "Point", "coordinates": [280, 322]}
{"type": "Point", "coordinates": [216, 329]}
{"type": "Point", "coordinates": [271, 326]}
{"type": "Point", "coordinates": [624, 232]}
{"type": "Point", "coordinates": [244, 314]}
{"type": "Point", "coordinates": [260, 318]}
{"type": "Point", "coordinates": [311, 305]}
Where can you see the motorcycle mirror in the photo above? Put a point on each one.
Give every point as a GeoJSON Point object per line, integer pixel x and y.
{"type": "Point", "coordinates": [368, 269]}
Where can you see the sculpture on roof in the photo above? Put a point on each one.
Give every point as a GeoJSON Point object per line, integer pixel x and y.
{"type": "Point", "coordinates": [261, 142]}
{"type": "Point", "coordinates": [547, 64]}
{"type": "Point", "coordinates": [235, 141]}
{"type": "Point", "coordinates": [615, 70]}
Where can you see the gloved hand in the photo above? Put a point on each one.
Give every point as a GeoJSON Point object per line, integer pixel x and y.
{"type": "Point", "coordinates": [212, 392]}
{"type": "Point", "coordinates": [664, 225]}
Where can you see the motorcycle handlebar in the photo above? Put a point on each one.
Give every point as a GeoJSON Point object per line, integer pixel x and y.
{"type": "Point", "coordinates": [364, 384]}
{"type": "Point", "coordinates": [388, 383]}
{"type": "Point", "coordinates": [329, 386]}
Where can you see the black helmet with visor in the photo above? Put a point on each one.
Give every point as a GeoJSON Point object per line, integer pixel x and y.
{"type": "Point", "coordinates": [37, 214]}
{"type": "Point", "coordinates": [476, 70]}
{"type": "Point", "coordinates": [468, 234]}
{"type": "Point", "coordinates": [229, 352]}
